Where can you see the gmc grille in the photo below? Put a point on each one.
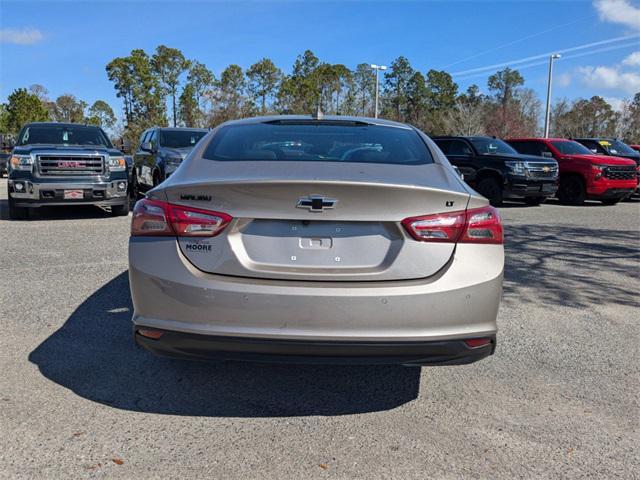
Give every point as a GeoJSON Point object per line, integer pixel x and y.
{"type": "Point", "coordinates": [69, 165]}
{"type": "Point", "coordinates": [620, 173]}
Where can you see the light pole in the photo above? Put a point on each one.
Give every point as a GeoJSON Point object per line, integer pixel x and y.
{"type": "Point", "coordinates": [377, 68]}
{"type": "Point", "coordinates": [547, 115]}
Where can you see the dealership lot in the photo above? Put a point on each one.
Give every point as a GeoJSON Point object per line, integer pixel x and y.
{"type": "Point", "coordinates": [559, 397]}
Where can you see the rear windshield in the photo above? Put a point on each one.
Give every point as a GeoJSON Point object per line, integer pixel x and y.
{"type": "Point", "coordinates": [63, 135]}
{"type": "Point", "coordinates": [318, 141]}
{"type": "Point", "coordinates": [572, 148]}
{"type": "Point", "coordinates": [180, 138]}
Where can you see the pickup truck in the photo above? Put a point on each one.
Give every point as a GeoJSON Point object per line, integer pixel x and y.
{"type": "Point", "coordinates": [66, 164]}
{"type": "Point", "coordinates": [497, 171]}
{"type": "Point", "coordinates": [583, 174]}
{"type": "Point", "coordinates": [160, 153]}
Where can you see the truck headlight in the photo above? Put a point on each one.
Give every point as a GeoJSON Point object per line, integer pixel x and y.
{"type": "Point", "coordinates": [516, 168]}
{"type": "Point", "coordinates": [171, 164]}
{"type": "Point", "coordinates": [117, 164]}
{"type": "Point", "coordinates": [21, 162]}
{"type": "Point", "coordinates": [599, 169]}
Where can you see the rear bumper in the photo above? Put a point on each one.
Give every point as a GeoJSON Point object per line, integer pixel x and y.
{"type": "Point", "coordinates": [207, 347]}
{"type": "Point", "coordinates": [459, 302]}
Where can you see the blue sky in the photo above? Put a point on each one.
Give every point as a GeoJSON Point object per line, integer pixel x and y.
{"type": "Point", "coordinates": [65, 45]}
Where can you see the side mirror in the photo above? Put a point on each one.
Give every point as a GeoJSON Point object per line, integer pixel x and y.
{"type": "Point", "coordinates": [146, 147]}
{"type": "Point", "coordinates": [547, 154]}
{"type": "Point", "coordinates": [594, 150]}
{"type": "Point", "coordinates": [460, 174]}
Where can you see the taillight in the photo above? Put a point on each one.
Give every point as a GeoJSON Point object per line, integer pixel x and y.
{"type": "Point", "coordinates": [150, 217]}
{"type": "Point", "coordinates": [443, 227]}
{"type": "Point", "coordinates": [478, 225]}
{"type": "Point", "coordinates": [483, 226]}
{"type": "Point", "coordinates": [156, 218]}
{"type": "Point", "coordinates": [195, 222]}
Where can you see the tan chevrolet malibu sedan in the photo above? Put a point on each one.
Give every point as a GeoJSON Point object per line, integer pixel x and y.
{"type": "Point", "coordinates": [310, 239]}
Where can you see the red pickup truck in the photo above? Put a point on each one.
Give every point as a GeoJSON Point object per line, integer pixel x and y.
{"type": "Point", "coordinates": [583, 174]}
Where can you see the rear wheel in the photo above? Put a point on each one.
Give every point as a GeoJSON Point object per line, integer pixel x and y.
{"type": "Point", "coordinates": [490, 188]}
{"type": "Point", "coordinates": [534, 201]}
{"type": "Point", "coordinates": [17, 213]}
{"type": "Point", "coordinates": [572, 191]}
{"type": "Point", "coordinates": [610, 201]}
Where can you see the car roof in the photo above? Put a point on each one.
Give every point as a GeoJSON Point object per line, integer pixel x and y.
{"type": "Point", "coordinates": [599, 139]}
{"type": "Point", "coordinates": [60, 124]}
{"type": "Point", "coordinates": [465, 137]}
{"type": "Point", "coordinates": [323, 118]}
{"type": "Point", "coordinates": [538, 139]}
{"type": "Point", "coordinates": [181, 129]}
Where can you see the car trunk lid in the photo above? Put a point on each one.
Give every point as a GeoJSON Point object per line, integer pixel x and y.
{"type": "Point", "coordinates": [331, 222]}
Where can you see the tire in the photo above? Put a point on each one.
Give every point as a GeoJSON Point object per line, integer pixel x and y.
{"type": "Point", "coordinates": [491, 189]}
{"type": "Point", "coordinates": [120, 210]}
{"type": "Point", "coordinates": [572, 191]}
{"type": "Point", "coordinates": [134, 189]}
{"type": "Point", "coordinates": [17, 213]}
{"type": "Point", "coordinates": [610, 201]}
{"type": "Point", "coordinates": [534, 201]}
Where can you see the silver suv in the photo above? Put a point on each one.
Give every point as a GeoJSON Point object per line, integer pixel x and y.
{"type": "Point", "coordinates": [303, 239]}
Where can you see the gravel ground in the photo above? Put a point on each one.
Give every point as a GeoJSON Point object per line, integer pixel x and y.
{"type": "Point", "coordinates": [558, 399]}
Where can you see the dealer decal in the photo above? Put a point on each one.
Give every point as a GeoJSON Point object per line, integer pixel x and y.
{"type": "Point", "coordinates": [197, 247]}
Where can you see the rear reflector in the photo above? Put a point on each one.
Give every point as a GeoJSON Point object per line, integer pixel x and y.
{"type": "Point", "coordinates": [477, 342]}
{"type": "Point", "coordinates": [152, 334]}
{"type": "Point", "coordinates": [478, 225]}
{"type": "Point", "coordinates": [156, 218]}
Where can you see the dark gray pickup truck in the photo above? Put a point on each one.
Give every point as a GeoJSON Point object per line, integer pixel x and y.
{"type": "Point", "coordinates": [66, 164]}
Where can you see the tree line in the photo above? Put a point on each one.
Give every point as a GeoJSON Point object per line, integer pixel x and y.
{"type": "Point", "coordinates": [33, 105]}
{"type": "Point", "coordinates": [165, 88]}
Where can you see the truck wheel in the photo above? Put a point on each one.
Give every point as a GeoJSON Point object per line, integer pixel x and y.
{"type": "Point", "coordinates": [17, 213]}
{"type": "Point", "coordinates": [120, 210]}
{"type": "Point", "coordinates": [610, 201]}
{"type": "Point", "coordinates": [534, 201]}
{"type": "Point", "coordinates": [490, 188]}
{"type": "Point", "coordinates": [134, 188]}
{"type": "Point", "coordinates": [572, 191]}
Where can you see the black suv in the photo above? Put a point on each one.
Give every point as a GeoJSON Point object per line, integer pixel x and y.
{"type": "Point", "coordinates": [160, 153]}
{"type": "Point", "coordinates": [63, 164]}
{"type": "Point", "coordinates": [495, 170]}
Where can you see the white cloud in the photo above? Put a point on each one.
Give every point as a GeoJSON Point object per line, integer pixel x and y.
{"type": "Point", "coordinates": [616, 103]}
{"type": "Point", "coordinates": [618, 11]}
{"type": "Point", "coordinates": [22, 36]}
{"type": "Point", "coordinates": [611, 78]}
{"type": "Point", "coordinates": [632, 60]}
{"type": "Point", "coordinates": [563, 80]}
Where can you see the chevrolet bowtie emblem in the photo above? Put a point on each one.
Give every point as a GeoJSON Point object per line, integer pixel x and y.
{"type": "Point", "coordinates": [316, 203]}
